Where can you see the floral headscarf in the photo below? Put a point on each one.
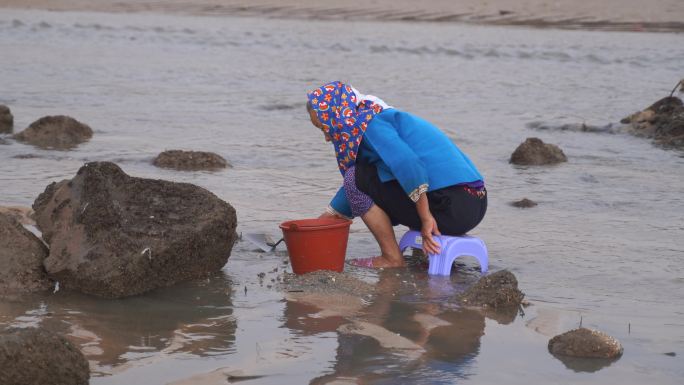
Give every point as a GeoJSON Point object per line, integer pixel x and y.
{"type": "Point", "coordinates": [344, 118]}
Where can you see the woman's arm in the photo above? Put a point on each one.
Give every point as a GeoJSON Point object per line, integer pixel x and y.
{"type": "Point", "coordinates": [383, 138]}
{"type": "Point", "coordinates": [429, 225]}
{"type": "Point", "coordinates": [338, 207]}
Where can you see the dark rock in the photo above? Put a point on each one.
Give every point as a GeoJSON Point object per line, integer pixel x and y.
{"type": "Point", "coordinates": [524, 203]}
{"type": "Point", "coordinates": [585, 343]}
{"type": "Point", "coordinates": [609, 128]}
{"type": "Point", "coordinates": [6, 120]}
{"type": "Point", "coordinates": [114, 235]}
{"type": "Point", "coordinates": [22, 214]}
{"type": "Point", "coordinates": [190, 160]}
{"type": "Point", "coordinates": [26, 156]}
{"type": "Point", "coordinates": [57, 132]}
{"type": "Point", "coordinates": [36, 356]}
{"type": "Point", "coordinates": [498, 290]}
{"type": "Point", "coordinates": [534, 151]}
{"type": "Point", "coordinates": [663, 122]}
{"type": "Point", "coordinates": [281, 106]}
{"type": "Point", "coordinates": [21, 258]}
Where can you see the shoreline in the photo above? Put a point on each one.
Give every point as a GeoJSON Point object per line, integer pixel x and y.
{"type": "Point", "coordinates": [610, 15]}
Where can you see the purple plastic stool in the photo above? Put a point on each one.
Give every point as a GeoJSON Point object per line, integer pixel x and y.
{"type": "Point", "coordinates": [451, 248]}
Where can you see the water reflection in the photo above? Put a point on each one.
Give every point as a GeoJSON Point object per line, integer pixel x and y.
{"type": "Point", "coordinates": [588, 365]}
{"type": "Point", "coordinates": [410, 331]}
{"type": "Point", "coordinates": [193, 317]}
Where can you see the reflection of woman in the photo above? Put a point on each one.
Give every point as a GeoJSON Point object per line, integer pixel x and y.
{"type": "Point", "coordinates": [448, 339]}
{"type": "Point", "coordinates": [397, 169]}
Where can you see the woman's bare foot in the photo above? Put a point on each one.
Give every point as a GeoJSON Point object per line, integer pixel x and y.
{"type": "Point", "coordinates": [386, 261]}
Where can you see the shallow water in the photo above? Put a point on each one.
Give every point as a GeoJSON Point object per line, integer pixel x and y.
{"type": "Point", "coordinates": [604, 245]}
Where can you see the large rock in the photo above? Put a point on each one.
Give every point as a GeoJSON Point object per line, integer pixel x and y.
{"type": "Point", "coordinates": [6, 120]}
{"type": "Point", "coordinates": [21, 258]}
{"type": "Point", "coordinates": [663, 121]}
{"type": "Point", "coordinates": [36, 356]}
{"type": "Point", "coordinates": [57, 132]}
{"type": "Point", "coordinates": [22, 214]}
{"type": "Point", "coordinates": [534, 151]}
{"type": "Point", "coordinates": [498, 290]}
{"type": "Point", "coordinates": [190, 160]}
{"type": "Point", "coordinates": [114, 235]}
{"type": "Point", "coordinates": [585, 343]}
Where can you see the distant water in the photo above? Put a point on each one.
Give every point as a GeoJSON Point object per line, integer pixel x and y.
{"type": "Point", "coordinates": [605, 245]}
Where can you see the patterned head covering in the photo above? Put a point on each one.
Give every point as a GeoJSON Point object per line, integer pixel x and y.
{"type": "Point", "coordinates": [344, 118]}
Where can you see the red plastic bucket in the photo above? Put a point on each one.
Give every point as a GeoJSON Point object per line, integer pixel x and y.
{"type": "Point", "coordinates": [316, 244]}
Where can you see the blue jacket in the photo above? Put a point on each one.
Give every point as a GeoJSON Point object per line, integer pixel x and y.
{"type": "Point", "coordinates": [412, 151]}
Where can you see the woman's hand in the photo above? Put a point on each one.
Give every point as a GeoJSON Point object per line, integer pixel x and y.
{"type": "Point", "coordinates": [429, 225]}
{"type": "Point", "coordinates": [430, 246]}
{"type": "Point", "coordinates": [327, 215]}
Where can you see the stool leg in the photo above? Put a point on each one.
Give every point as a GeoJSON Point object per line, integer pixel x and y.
{"type": "Point", "coordinates": [406, 241]}
{"type": "Point", "coordinates": [440, 264]}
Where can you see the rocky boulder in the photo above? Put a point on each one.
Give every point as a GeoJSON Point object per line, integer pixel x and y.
{"type": "Point", "coordinates": [190, 160]}
{"type": "Point", "coordinates": [585, 343]}
{"type": "Point", "coordinates": [498, 290]}
{"type": "Point", "coordinates": [534, 152]}
{"type": "Point", "coordinates": [36, 356]}
{"type": "Point", "coordinates": [114, 235]}
{"type": "Point", "coordinates": [663, 121]}
{"type": "Point", "coordinates": [6, 120]}
{"type": "Point", "coordinates": [524, 203]}
{"type": "Point", "coordinates": [21, 258]}
{"type": "Point", "coordinates": [55, 132]}
{"type": "Point", "coordinates": [22, 214]}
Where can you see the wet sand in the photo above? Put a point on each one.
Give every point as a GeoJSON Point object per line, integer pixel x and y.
{"type": "Point", "coordinates": [622, 15]}
{"type": "Point", "coordinates": [240, 325]}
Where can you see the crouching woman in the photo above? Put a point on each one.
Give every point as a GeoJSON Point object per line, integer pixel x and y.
{"type": "Point", "coordinates": [397, 169]}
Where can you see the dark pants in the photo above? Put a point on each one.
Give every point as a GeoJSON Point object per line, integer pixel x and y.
{"type": "Point", "coordinates": [457, 209]}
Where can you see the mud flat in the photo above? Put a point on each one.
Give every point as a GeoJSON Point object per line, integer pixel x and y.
{"type": "Point", "coordinates": [498, 290]}
{"type": "Point", "coordinates": [623, 15]}
{"type": "Point", "coordinates": [335, 294]}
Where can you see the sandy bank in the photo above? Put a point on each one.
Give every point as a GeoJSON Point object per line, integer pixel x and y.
{"type": "Point", "coordinates": [627, 15]}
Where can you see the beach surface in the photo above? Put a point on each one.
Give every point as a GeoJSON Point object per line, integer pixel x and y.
{"type": "Point", "coordinates": [624, 15]}
{"type": "Point", "coordinates": [601, 249]}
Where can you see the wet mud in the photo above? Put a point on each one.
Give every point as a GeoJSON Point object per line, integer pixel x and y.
{"type": "Point", "coordinates": [497, 290]}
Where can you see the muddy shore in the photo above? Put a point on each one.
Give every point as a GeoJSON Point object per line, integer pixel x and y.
{"type": "Point", "coordinates": [617, 15]}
